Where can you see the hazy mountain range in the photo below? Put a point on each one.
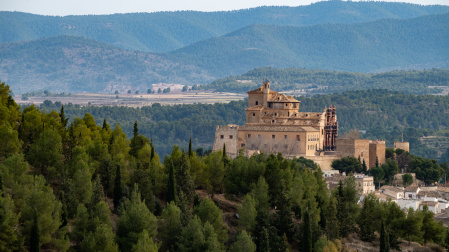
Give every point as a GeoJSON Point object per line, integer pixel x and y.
{"type": "Point", "coordinates": [135, 50]}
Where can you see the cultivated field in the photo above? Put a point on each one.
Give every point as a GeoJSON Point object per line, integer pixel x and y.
{"type": "Point", "coordinates": [136, 100]}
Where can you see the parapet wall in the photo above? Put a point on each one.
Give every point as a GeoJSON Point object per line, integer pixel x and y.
{"type": "Point", "coordinates": [226, 135]}
{"type": "Point", "coordinates": [402, 145]}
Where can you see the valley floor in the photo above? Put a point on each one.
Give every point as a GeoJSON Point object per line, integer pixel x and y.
{"type": "Point", "coordinates": [136, 100]}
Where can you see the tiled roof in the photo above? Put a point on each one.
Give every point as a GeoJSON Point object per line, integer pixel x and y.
{"type": "Point", "coordinates": [411, 189]}
{"type": "Point", "coordinates": [281, 98]}
{"type": "Point", "coordinates": [429, 194]}
{"type": "Point", "coordinates": [443, 189]}
{"type": "Point", "coordinates": [429, 203]}
{"type": "Point", "coordinates": [392, 188]}
{"type": "Point", "coordinates": [276, 128]}
{"type": "Point", "coordinates": [260, 91]}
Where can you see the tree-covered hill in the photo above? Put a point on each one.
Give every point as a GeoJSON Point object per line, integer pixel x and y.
{"type": "Point", "coordinates": [80, 186]}
{"type": "Point", "coordinates": [166, 31]}
{"type": "Point", "coordinates": [321, 81]}
{"type": "Point", "coordinates": [415, 43]}
{"type": "Point", "coordinates": [75, 64]}
{"type": "Point", "coordinates": [382, 114]}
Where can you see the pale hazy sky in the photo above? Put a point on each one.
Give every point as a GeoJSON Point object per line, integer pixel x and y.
{"type": "Point", "coordinates": [82, 7]}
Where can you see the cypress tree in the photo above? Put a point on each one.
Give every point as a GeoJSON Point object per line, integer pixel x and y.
{"type": "Point", "coordinates": [190, 147]}
{"type": "Point", "coordinates": [34, 237]}
{"type": "Point", "coordinates": [263, 241]}
{"type": "Point", "coordinates": [384, 243]}
{"type": "Point", "coordinates": [105, 124]}
{"type": "Point", "coordinates": [152, 149]}
{"type": "Point", "coordinates": [64, 120]}
{"type": "Point", "coordinates": [306, 239]}
{"type": "Point", "coordinates": [261, 230]}
{"type": "Point", "coordinates": [1, 186]}
{"type": "Point", "coordinates": [20, 131]}
{"type": "Point", "coordinates": [171, 186]}
{"type": "Point", "coordinates": [377, 161]}
{"type": "Point", "coordinates": [332, 221]}
{"type": "Point", "coordinates": [118, 193]}
{"type": "Point", "coordinates": [366, 220]}
{"type": "Point", "coordinates": [135, 130]}
{"type": "Point", "coordinates": [365, 169]}
{"type": "Point", "coordinates": [224, 152]}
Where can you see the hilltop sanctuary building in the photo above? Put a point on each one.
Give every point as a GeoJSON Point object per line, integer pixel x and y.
{"type": "Point", "coordinates": [274, 124]}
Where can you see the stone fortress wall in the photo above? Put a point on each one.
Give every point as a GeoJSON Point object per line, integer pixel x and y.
{"type": "Point", "coordinates": [402, 145]}
{"type": "Point", "coordinates": [226, 135]}
{"type": "Point", "coordinates": [376, 151]}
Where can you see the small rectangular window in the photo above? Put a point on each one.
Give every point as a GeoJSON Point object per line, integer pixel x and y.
{"type": "Point", "coordinates": [243, 145]}
{"type": "Point", "coordinates": [254, 114]}
{"type": "Point", "coordinates": [273, 136]}
{"type": "Point", "coordinates": [230, 136]}
{"type": "Point", "coordinates": [285, 136]}
{"type": "Point", "coordinates": [249, 135]}
{"type": "Point", "coordinates": [298, 138]}
{"type": "Point", "coordinates": [221, 136]}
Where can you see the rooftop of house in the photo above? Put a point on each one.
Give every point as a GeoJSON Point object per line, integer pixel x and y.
{"type": "Point", "coordinates": [429, 203]}
{"type": "Point", "coordinates": [411, 189]}
{"type": "Point", "coordinates": [434, 194]}
{"type": "Point", "coordinates": [392, 188]}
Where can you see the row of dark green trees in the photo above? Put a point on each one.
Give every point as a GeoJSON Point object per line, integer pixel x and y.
{"type": "Point", "coordinates": [84, 187]}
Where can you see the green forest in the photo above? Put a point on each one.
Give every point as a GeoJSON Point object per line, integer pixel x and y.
{"type": "Point", "coordinates": [79, 186]}
{"type": "Point", "coordinates": [323, 82]}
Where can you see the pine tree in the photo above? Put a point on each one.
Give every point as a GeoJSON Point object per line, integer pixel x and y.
{"type": "Point", "coordinates": [384, 243]}
{"type": "Point", "coordinates": [171, 186]}
{"type": "Point", "coordinates": [190, 148]}
{"type": "Point", "coordinates": [34, 237]}
{"type": "Point", "coordinates": [118, 193]}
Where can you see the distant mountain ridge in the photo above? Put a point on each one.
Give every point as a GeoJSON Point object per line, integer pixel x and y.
{"type": "Point", "coordinates": [167, 31]}
{"type": "Point", "coordinates": [387, 44]}
{"type": "Point", "coordinates": [75, 64]}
